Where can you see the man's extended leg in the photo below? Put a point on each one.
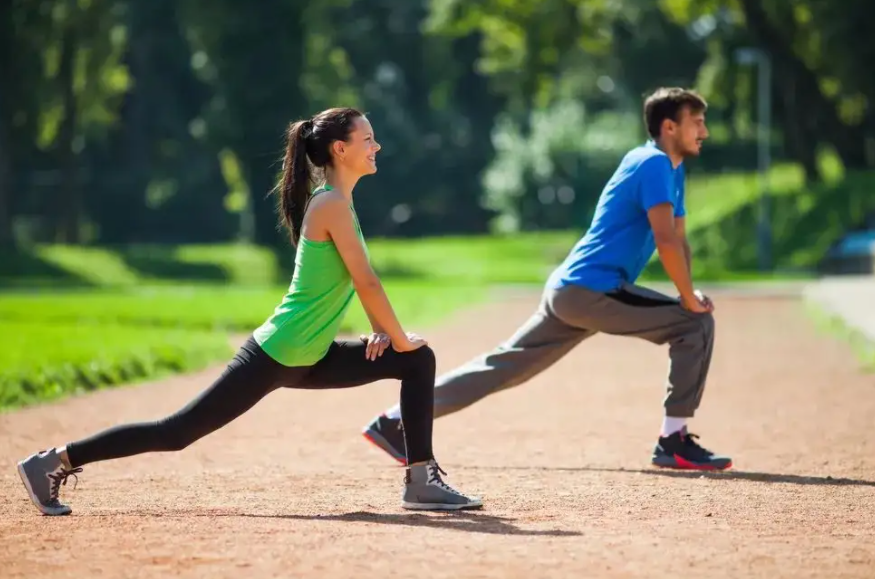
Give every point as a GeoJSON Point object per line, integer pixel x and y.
{"type": "Point", "coordinates": [533, 348]}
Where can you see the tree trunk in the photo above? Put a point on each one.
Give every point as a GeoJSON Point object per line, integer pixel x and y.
{"type": "Point", "coordinates": [813, 113]}
{"type": "Point", "coordinates": [7, 239]}
{"type": "Point", "coordinates": [799, 140]}
{"type": "Point", "coordinates": [69, 204]}
{"type": "Point", "coordinates": [136, 140]}
{"type": "Point", "coordinates": [731, 110]}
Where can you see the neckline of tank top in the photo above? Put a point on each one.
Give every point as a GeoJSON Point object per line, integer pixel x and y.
{"type": "Point", "coordinates": [326, 187]}
{"type": "Point", "coordinates": [316, 191]}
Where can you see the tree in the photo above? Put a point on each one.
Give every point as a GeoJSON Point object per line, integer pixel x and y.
{"type": "Point", "coordinates": [7, 238]}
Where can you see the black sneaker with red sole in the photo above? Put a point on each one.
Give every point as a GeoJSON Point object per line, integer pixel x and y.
{"type": "Point", "coordinates": [387, 434]}
{"type": "Point", "coordinates": [681, 451]}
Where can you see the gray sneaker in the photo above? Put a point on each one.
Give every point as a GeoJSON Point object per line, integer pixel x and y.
{"type": "Point", "coordinates": [43, 474]}
{"type": "Point", "coordinates": [424, 490]}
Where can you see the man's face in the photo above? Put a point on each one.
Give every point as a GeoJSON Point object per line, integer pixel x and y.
{"type": "Point", "coordinates": [688, 133]}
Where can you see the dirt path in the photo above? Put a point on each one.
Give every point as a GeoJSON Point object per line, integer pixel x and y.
{"type": "Point", "coordinates": [292, 490]}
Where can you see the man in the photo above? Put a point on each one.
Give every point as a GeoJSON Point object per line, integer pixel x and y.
{"type": "Point", "coordinates": [641, 209]}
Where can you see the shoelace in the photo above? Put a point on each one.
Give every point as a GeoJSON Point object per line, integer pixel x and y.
{"type": "Point", "coordinates": [689, 440]}
{"type": "Point", "coordinates": [60, 478]}
{"type": "Point", "coordinates": [435, 472]}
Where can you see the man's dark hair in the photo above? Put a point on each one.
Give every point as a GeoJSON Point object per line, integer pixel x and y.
{"type": "Point", "coordinates": [667, 103]}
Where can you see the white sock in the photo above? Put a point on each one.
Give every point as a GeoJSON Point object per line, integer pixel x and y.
{"type": "Point", "coordinates": [394, 412]}
{"type": "Point", "coordinates": [670, 425]}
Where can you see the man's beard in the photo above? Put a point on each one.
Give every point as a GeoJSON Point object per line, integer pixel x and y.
{"type": "Point", "coordinates": [692, 151]}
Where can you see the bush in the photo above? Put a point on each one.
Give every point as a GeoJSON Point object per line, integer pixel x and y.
{"type": "Point", "coordinates": [805, 221]}
{"type": "Point", "coordinates": [40, 361]}
{"type": "Point", "coordinates": [133, 265]}
{"type": "Point", "coordinates": [206, 307]}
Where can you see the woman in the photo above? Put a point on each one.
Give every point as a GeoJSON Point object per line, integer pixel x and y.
{"type": "Point", "coordinates": [296, 346]}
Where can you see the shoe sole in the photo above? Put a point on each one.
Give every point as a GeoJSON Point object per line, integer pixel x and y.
{"type": "Point", "coordinates": [678, 463]}
{"type": "Point", "coordinates": [43, 509]}
{"type": "Point", "coordinates": [377, 440]}
{"type": "Point", "coordinates": [440, 506]}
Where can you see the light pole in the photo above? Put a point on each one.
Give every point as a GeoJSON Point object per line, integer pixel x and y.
{"type": "Point", "coordinates": [764, 160]}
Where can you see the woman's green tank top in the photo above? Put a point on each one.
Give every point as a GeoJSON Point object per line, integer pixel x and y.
{"type": "Point", "coordinates": [308, 318]}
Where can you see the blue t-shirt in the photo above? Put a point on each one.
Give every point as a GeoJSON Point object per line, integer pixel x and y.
{"type": "Point", "coordinates": [619, 242]}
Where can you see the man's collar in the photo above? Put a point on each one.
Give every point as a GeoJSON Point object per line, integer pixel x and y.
{"type": "Point", "coordinates": [652, 143]}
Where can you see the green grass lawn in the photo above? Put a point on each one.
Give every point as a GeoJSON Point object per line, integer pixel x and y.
{"type": "Point", "coordinates": [527, 258]}
{"type": "Point", "coordinates": [805, 220]}
{"type": "Point", "coordinates": [831, 324]}
{"type": "Point", "coordinates": [42, 361]}
{"type": "Point", "coordinates": [64, 342]}
{"type": "Point", "coordinates": [218, 308]}
{"type": "Point", "coordinates": [49, 266]}
{"type": "Point", "coordinates": [523, 258]}
{"type": "Point", "coordinates": [75, 317]}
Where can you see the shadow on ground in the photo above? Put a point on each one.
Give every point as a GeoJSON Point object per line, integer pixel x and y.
{"type": "Point", "coordinates": [24, 269]}
{"type": "Point", "coordinates": [765, 477]}
{"type": "Point", "coordinates": [468, 522]}
{"type": "Point", "coordinates": [460, 521]}
{"type": "Point", "coordinates": [161, 262]}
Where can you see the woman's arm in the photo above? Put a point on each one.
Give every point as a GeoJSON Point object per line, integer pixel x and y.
{"type": "Point", "coordinates": [339, 223]}
{"type": "Point", "coordinates": [375, 325]}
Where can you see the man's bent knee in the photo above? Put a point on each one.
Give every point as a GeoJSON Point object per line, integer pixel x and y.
{"type": "Point", "coordinates": [708, 325]}
{"type": "Point", "coordinates": [699, 329]}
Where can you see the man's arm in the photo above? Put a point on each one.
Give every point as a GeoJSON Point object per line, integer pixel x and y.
{"type": "Point", "coordinates": [681, 231]}
{"type": "Point", "coordinates": [671, 248]}
{"type": "Point", "coordinates": [658, 200]}
{"type": "Point", "coordinates": [680, 228]}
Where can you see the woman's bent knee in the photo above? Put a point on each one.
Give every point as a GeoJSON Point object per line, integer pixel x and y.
{"type": "Point", "coordinates": [422, 358]}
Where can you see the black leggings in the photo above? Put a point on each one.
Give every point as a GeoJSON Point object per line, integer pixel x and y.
{"type": "Point", "coordinates": [252, 375]}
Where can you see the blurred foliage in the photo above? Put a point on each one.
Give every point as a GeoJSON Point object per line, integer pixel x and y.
{"type": "Point", "coordinates": [128, 122]}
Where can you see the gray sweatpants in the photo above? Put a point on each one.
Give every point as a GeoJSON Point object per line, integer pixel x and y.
{"type": "Point", "coordinates": [571, 314]}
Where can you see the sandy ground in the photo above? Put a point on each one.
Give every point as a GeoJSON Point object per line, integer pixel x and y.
{"type": "Point", "coordinates": [292, 489]}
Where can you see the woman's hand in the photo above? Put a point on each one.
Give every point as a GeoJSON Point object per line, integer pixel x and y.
{"type": "Point", "coordinates": [413, 342]}
{"type": "Point", "coordinates": [377, 343]}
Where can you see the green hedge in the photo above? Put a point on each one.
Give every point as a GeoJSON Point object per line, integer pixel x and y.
{"type": "Point", "coordinates": [190, 307]}
{"type": "Point", "coordinates": [44, 361]}
{"type": "Point", "coordinates": [522, 258]}
{"type": "Point", "coordinates": [57, 343]}
{"type": "Point", "coordinates": [805, 222]}
{"type": "Point", "coordinates": [52, 265]}
{"type": "Point", "coordinates": [219, 308]}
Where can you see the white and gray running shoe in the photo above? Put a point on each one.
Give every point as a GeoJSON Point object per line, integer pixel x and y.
{"type": "Point", "coordinates": [425, 490]}
{"type": "Point", "coordinates": [43, 474]}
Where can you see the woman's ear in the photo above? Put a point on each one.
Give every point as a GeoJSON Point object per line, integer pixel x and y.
{"type": "Point", "coordinates": [339, 148]}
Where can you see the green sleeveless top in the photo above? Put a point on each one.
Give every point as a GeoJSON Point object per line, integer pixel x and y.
{"type": "Point", "coordinates": [308, 318]}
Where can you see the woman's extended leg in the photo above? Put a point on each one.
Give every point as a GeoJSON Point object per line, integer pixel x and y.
{"type": "Point", "coordinates": [249, 377]}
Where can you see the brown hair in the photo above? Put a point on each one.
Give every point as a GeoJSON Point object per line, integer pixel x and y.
{"type": "Point", "coordinates": [667, 103]}
{"type": "Point", "coordinates": [308, 142]}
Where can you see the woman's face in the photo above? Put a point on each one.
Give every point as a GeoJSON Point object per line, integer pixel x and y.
{"type": "Point", "coordinates": [358, 153]}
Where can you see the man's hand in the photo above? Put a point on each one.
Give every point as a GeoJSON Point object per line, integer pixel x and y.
{"type": "Point", "coordinates": [377, 344]}
{"type": "Point", "coordinates": [706, 301]}
{"type": "Point", "coordinates": [698, 304]}
{"type": "Point", "coordinates": [694, 305]}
